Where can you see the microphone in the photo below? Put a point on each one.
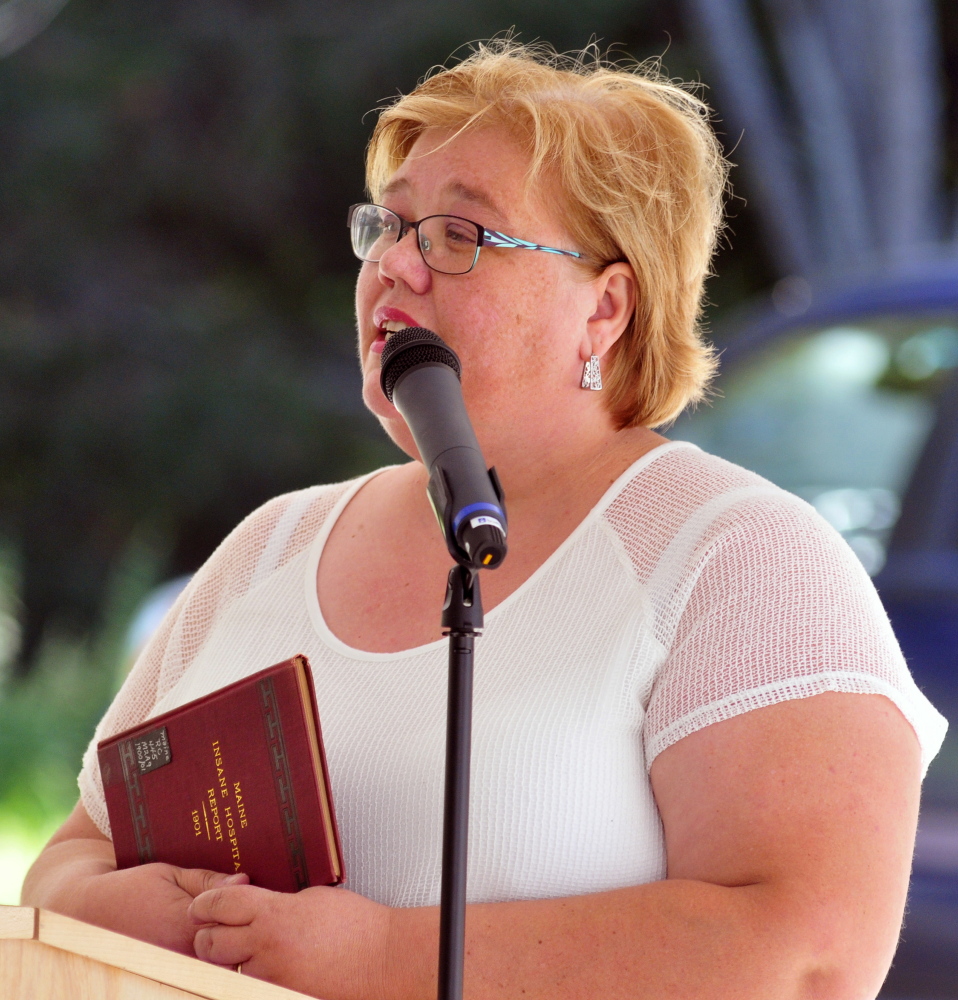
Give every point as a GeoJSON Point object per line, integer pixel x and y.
{"type": "Point", "coordinates": [420, 375]}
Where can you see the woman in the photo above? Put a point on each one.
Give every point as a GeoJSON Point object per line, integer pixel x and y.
{"type": "Point", "coordinates": [697, 750]}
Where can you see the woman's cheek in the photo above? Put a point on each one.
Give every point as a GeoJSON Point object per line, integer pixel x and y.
{"type": "Point", "coordinates": [368, 290]}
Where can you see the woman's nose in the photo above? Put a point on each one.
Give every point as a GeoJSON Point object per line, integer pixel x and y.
{"type": "Point", "coordinates": [404, 262]}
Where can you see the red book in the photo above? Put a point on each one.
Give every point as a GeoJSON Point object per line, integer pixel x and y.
{"type": "Point", "coordinates": [235, 781]}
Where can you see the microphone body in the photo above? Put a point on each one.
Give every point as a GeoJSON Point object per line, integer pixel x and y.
{"type": "Point", "coordinates": [420, 376]}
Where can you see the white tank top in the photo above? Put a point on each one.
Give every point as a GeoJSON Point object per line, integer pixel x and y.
{"type": "Point", "coordinates": [692, 592]}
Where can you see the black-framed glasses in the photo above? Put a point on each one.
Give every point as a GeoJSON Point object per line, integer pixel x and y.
{"type": "Point", "coordinates": [449, 244]}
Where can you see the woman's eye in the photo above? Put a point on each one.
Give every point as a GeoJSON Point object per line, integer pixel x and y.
{"type": "Point", "coordinates": [458, 234]}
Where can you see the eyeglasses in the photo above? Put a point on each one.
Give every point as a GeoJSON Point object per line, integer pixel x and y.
{"type": "Point", "coordinates": [448, 244]}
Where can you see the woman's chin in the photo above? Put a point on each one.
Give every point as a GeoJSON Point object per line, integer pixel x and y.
{"type": "Point", "coordinates": [374, 398]}
{"type": "Point", "coordinates": [388, 416]}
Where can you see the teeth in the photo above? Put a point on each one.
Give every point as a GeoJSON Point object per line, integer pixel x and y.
{"type": "Point", "coordinates": [393, 326]}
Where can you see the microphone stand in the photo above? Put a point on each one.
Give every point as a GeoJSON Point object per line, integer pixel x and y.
{"type": "Point", "coordinates": [462, 619]}
{"type": "Point", "coordinates": [420, 374]}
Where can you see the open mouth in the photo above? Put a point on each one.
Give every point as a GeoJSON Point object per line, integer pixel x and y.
{"type": "Point", "coordinates": [390, 327]}
{"type": "Point", "coordinates": [389, 321]}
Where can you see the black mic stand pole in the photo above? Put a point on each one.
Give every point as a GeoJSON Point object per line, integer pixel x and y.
{"type": "Point", "coordinates": [462, 618]}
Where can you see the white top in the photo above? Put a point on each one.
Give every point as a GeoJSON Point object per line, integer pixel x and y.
{"type": "Point", "coordinates": [692, 592]}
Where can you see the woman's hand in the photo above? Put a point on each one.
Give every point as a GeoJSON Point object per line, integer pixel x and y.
{"type": "Point", "coordinates": [149, 902]}
{"type": "Point", "coordinates": [321, 941]}
{"type": "Point", "coordinates": [76, 875]}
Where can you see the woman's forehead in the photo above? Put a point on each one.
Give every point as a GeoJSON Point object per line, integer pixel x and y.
{"type": "Point", "coordinates": [454, 190]}
{"type": "Point", "coordinates": [486, 167]}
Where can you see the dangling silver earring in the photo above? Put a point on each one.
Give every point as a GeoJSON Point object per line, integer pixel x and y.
{"type": "Point", "coordinates": [591, 375]}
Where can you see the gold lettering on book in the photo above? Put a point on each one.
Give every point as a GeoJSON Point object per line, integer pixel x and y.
{"type": "Point", "coordinates": [197, 829]}
{"type": "Point", "coordinates": [214, 813]}
{"type": "Point", "coordinates": [232, 821]}
{"type": "Point", "coordinates": [220, 773]}
{"type": "Point", "coordinates": [240, 805]}
{"type": "Point", "coordinates": [231, 835]}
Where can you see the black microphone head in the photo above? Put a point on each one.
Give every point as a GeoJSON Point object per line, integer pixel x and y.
{"type": "Point", "coordinates": [410, 347]}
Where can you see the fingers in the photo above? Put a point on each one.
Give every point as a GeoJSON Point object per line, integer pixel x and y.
{"type": "Point", "coordinates": [233, 905]}
{"type": "Point", "coordinates": [199, 880]}
{"type": "Point", "coordinates": [223, 945]}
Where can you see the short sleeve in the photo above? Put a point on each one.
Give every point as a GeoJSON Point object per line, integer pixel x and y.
{"type": "Point", "coordinates": [777, 607]}
{"type": "Point", "coordinates": [132, 704]}
{"type": "Point", "coordinates": [267, 538]}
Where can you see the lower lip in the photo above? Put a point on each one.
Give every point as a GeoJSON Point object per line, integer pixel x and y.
{"type": "Point", "coordinates": [376, 347]}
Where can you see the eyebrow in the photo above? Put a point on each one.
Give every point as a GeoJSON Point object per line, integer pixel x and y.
{"type": "Point", "coordinates": [476, 197]}
{"type": "Point", "coordinates": [459, 190]}
{"type": "Point", "coordinates": [394, 187]}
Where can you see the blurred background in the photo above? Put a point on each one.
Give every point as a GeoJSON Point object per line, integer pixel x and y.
{"type": "Point", "coordinates": [176, 337]}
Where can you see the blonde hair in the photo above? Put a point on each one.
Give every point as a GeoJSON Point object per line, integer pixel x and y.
{"type": "Point", "coordinates": [643, 177]}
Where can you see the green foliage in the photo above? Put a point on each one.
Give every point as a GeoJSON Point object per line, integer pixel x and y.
{"type": "Point", "coordinates": [46, 722]}
{"type": "Point", "coordinates": [48, 718]}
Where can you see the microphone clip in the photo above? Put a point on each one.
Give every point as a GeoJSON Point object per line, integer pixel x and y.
{"type": "Point", "coordinates": [462, 610]}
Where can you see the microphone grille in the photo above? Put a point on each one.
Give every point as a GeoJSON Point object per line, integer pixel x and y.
{"type": "Point", "coordinates": [410, 347]}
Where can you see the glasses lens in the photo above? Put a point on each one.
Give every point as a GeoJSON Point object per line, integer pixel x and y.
{"type": "Point", "coordinates": [449, 244]}
{"type": "Point", "coordinates": [373, 231]}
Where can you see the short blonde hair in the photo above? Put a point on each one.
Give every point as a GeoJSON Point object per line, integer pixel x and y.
{"type": "Point", "coordinates": [643, 176]}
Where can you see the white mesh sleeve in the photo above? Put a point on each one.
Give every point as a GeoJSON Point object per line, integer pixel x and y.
{"type": "Point", "coordinates": [778, 607]}
{"type": "Point", "coordinates": [225, 576]}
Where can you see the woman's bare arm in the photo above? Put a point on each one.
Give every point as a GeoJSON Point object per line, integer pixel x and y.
{"type": "Point", "coordinates": [76, 874]}
{"type": "Point", "coordinates": [789, 833]}
{"type": "Point", "coordinates": [77, 850]}
{"type": "Point", "coordinates": [74, 853]}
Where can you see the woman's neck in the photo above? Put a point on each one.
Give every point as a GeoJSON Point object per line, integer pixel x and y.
{"type": "Point", "coordinates": [580, 469]}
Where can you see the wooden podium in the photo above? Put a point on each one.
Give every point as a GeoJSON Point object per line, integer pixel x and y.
{"type": "Point", "coordinates": [45, 956]}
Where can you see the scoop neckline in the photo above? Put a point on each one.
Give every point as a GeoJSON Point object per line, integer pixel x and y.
{"type": "Point", "coordinates": [330, 639]}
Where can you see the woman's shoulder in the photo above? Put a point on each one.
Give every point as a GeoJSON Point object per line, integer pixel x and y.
{"type": "Point", "coordinates": [266, 540]}
{"type": "Point", "coordinates": [288, 521]}
{"type": "Point", "coordinates": [314, 501]}
{"type": "Point", "coordinates": [691, 522]}
{"type": "Point", "coordinates": [681, 472]}
{"type": "Point", "coordinates": [679, 495]}
{"type": "Point", "coordinates": [758, 599]}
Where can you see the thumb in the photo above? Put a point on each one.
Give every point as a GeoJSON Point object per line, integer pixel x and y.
{"type": "Point", "coordinates": [197, 880]}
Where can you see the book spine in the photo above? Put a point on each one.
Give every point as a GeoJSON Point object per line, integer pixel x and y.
{"type": "Point", "coordinates": [137, 801]}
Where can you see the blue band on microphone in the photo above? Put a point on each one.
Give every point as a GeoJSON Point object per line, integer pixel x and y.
{"type": "Point", "coordinates": [471, 509]}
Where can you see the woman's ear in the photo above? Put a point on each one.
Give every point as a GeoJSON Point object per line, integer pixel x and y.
{"type": "Point", "coordinates": [615, 293]}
